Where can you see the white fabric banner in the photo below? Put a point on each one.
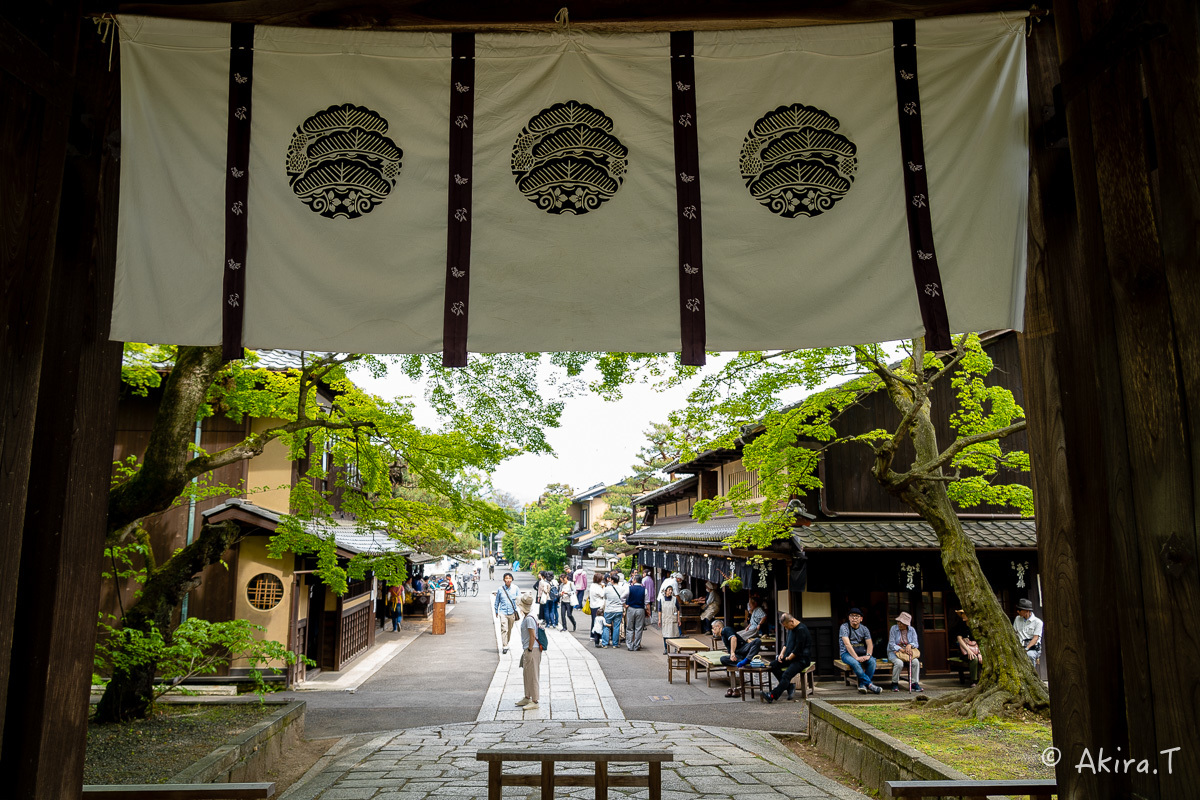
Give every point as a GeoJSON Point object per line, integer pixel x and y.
{"type": "Point", "coordinates": [574, 220]}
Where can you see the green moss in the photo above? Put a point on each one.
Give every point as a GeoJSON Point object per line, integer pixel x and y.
{"type": "Point", "coordinates": [995, 749]}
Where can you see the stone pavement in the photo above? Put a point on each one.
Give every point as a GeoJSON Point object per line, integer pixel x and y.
{"type": "Point", "coordinates": [710, 763]}
{"type": "Point", "coordinates": [572, 684]}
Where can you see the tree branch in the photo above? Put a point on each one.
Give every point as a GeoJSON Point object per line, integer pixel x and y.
{"type": "Point", "coordinates": [922, 471]}
{"type": "Point", "coordinates": [254, 445]}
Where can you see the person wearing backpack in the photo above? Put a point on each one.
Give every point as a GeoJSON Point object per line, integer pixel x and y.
{"type": "Point", "coordinates": [555, 593]}
{"type": "Point", "coordinates": [532, 644]}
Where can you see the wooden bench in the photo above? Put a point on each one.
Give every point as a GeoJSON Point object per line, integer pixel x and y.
{"type": "Point", "coordinates": [681, 661]}
{"type": "Point", "coordinates": [708, 662]}
{"type": "Point", "coordinates": [180, 791]}
{"type": "Point", "coordinates": [600, 779]}
{"type": "Point", "coordinates": [846, 673]}
{"type": "Point", "coordinates": [1035, 789]}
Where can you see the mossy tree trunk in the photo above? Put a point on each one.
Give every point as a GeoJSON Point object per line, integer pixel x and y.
{"type": "Point", "coordinates": [1008, 680]}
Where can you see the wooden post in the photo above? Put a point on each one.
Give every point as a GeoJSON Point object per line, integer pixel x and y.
{"type": "Point", "coordinates": [65, 511]}
{"type": "Point", "coordinates": [36, 78]}
{"type": "Point", "coordinates": [1109, 361]}
{"type": "Point", "coordinates": [547, 780]}
{"type": "Point", "coordinates": [601, 780]}
{"type": "Point", "coordinates": [655, 780]}
{"type": "Point", "coordinates": [495, 782]}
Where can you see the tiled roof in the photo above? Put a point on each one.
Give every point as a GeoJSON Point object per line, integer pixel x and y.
{"type": "Point", "coordinates": [875, 535]}
{"type": "Point", "coordinates": [680, 486]}
{"type": "Point", "coordinates": [588, 494]}
{"type": "Point", "coordinates": [896, 535]}
{"type": "Point", "coordinates": [712, 531]}
{"type": "Point", "coordinates": [348, 535]}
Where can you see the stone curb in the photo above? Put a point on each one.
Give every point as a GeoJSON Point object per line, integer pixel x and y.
{"type": "Point", "coordinates": [249, 754]}
{"type": "Point", "coordinates": [868, 753]}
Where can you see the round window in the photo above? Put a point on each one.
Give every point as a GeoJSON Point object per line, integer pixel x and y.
{"type": "Point", "coordinates": [264, 591]}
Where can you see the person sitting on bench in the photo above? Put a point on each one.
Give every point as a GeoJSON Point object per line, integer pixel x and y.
{"type": "Point", "coordinates": [902, 649]}
{"type": "Point", "coordinates": [1029, 629]}
{"type": "Point", "coordinates": [793, 659]}
{"type": "Point", "coordinates": [855, 650]}
{"type": "Point", "coordinates": [965, 639]}
{"type": "Point", "coordinates": [740, 653]}
{"type": "Point", "coordinates": [753, 627]}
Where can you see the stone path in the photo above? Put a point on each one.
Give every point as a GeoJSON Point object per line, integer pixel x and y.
{"type": "Point", "coordinates": [710, 763]}
{"type": "Point", "coordinates": [572, 684]}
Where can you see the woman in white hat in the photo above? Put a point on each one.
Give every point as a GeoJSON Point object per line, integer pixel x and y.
{"type": "Point", "coordinates": [902, 649]}
{"type": "Point", "coordinates": [531, 653]}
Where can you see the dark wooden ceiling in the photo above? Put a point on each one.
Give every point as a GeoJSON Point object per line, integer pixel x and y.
{"type": "Point", "coordinates": [535, 15]}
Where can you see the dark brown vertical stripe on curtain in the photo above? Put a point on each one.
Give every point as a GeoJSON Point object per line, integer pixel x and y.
{"type": "Point", "coordinates": [458, 226]}
{"type": "Point", "coordinates": [237, 185]}
{"type": "Point", "coordinates": [931, 294]}
{"type": "Point", "coordinates": [687, 192]}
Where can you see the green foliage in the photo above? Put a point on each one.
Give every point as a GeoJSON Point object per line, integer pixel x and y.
{"type": "Point", "coordinates": [143, 366]}
{"type": "Point", "coordinates": [196, 647]}
{"type": "Point", "coordinates": [508, 544]}
{"type": "Point", "coordinates": [742, 403]}
{"type": "Point", "coordinates": [625, 565]}
{"type": "Point", "coordinates": [543, 538]}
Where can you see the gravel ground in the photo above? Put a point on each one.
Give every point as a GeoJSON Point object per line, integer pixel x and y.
{"type": "Point", "coordinates": [154, 749]}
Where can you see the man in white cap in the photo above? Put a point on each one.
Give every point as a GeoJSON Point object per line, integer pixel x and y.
{"type": "Point", "coordinates": [902, 649]}
{"type": "Point", "coordinates": [531, 653]}
{"type": "Point", "coordinates": [1029, 629]}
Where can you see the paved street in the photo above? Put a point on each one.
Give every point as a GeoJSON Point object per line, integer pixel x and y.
{"type": "Point", "coordinates": [411, 725]}
{"type": "Point", "coordinates": [711, 763]}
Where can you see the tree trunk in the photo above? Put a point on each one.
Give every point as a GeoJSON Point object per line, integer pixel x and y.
{"type": "Point", "coordinates": [130, 693]}
{"type": "Point", "coordinates": [163, 477]}
{"type": "Point", "coordinates": [1008, 680]}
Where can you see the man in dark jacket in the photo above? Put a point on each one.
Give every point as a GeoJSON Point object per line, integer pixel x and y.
{"type": "Point", "coordinates": [793, 659]}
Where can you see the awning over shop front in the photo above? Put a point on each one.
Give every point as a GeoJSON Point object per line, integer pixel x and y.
{"type": "Point", "coordinates": [704, 567]}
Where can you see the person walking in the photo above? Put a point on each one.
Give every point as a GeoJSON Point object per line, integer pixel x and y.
{"type": "Point", "coordinates": [651, 597]}
{"type": "Point", "coordinates": [531, 654]}
{"type": "Point", "coordinates": [581, 585]}
{"type": "Point", "coordinates": [596, 603]}
{"type": "Point", "coordinates": [555, 594]}
{"type": "Point", "coordinates": [505, 608]}
{"type": "Point", "coordinates": [491, 568]}
{"type": "Point", "coordinates": [395, 604]}
{"type": "Point", "coordinates": [635, 616]}
{"type": "Point", "coordinates": [614, 610]}
{"type": "Point", "coordinates": [668, 617]}
{"type": "Point", "coordinates": [566, 598]}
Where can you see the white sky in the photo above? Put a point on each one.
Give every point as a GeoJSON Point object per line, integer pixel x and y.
{"type": "Point", "coordinates": [597, 441]}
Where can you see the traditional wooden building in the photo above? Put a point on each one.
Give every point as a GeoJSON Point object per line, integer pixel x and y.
{"type": "Point", "coordinates": [853, 545]}
{"type": "Point", "coordinates": [274, 593]}
{"type": "Point", "coordinates": [285, 596]}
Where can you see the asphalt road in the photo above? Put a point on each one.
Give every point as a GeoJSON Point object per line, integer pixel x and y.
{"type": "Point", "coordinates": [439, 680]}
{"type": "Point", "coordinates": [639, 681]}
{"type": "Point", "coordinates": [435, 680]}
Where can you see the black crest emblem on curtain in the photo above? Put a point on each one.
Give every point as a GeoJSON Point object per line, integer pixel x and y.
{"type": "Point", "coordinates": [340, 163]}
{"type": "Point", "coordinates": [567, 160]}
{"type": "Point", "coordinates": [795, 162]}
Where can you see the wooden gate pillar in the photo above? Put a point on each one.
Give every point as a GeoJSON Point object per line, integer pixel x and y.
{"type": "Point", "coordinates": [1110, 369]}
{"type": "Point", "coordinates": [74, 399]}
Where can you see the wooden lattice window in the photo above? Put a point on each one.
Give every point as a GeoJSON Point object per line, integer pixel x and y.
{"type": "Point", "coordinates": [264, 591]}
